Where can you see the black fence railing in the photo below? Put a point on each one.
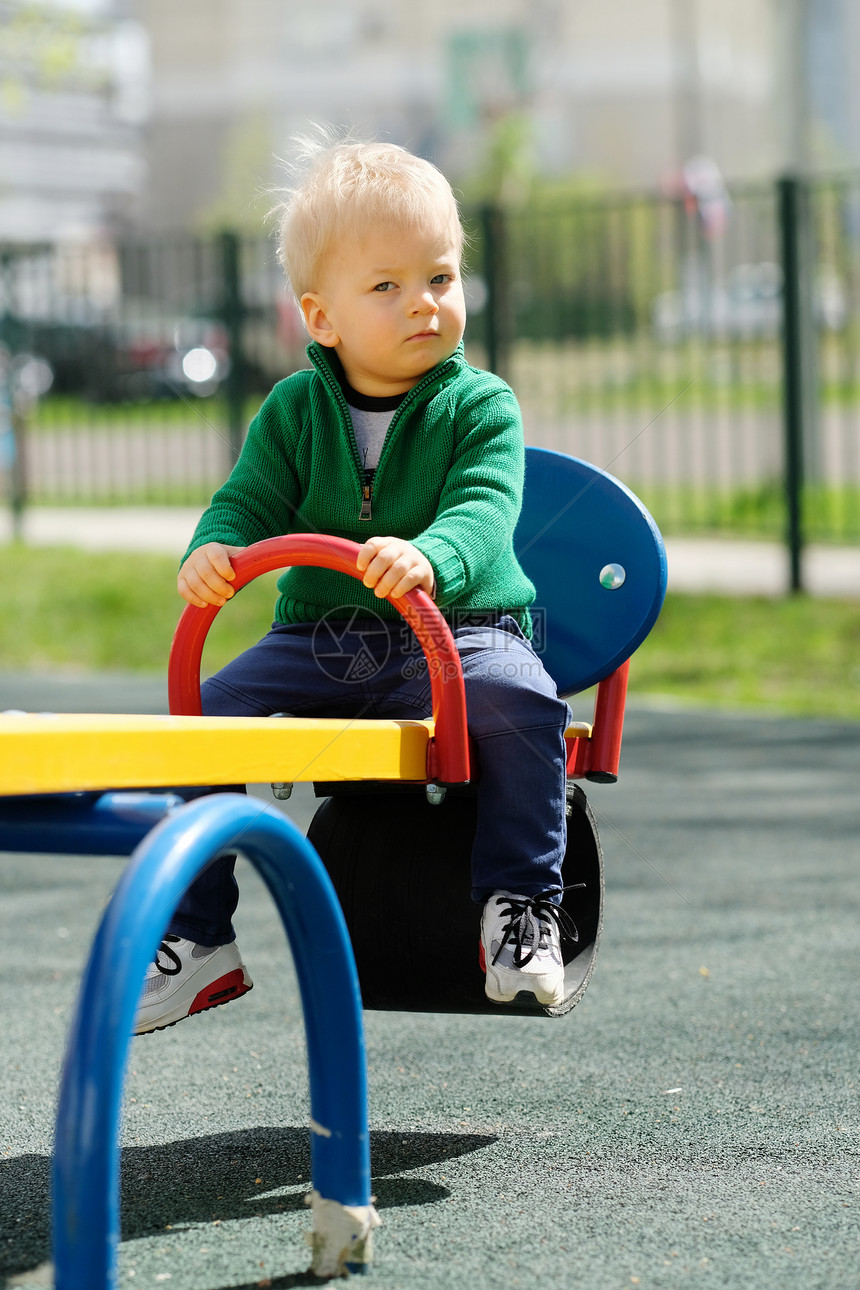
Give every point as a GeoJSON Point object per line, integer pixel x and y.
{"type": "Point", "coordinates": [716, 375]}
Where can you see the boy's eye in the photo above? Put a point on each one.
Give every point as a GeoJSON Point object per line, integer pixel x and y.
{"type": "Point", "coordinates": [382, 287]}
{"type": "Point", "coordinates": [440, 278]}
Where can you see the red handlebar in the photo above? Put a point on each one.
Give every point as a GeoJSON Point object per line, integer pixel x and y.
{"type": "Point", "coordinates": [448, 755]}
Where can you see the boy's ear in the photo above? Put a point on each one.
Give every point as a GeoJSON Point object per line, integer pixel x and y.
{"type": "Point", "coordinates": [316, 320]}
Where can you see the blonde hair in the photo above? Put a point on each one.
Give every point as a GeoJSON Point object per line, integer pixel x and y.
{"type": "Point", "coordinates": [341, 186]}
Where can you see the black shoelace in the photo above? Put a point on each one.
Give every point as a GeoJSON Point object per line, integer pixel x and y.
{"type": "Point", "coordinates": [528, 918]}
{"type": "Point", "coordinates": [174, 965]}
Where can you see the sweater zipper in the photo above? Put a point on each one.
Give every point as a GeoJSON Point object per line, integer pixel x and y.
{"type": "Point", "coordinates": [366, 511]}
{"type": "Point", "coordinates": [366, 496]}
{"type": "Point", "coordinates": [365, 477]}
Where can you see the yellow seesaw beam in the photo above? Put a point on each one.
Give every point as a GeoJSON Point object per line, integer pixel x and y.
{"type": "Point", "coordinates": [50, 753]}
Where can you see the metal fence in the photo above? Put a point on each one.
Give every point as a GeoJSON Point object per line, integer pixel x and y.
{"type": "Point", "coordinates": [132, 369]}
{"type": "Point", "coordinates": [681, 363]}
{"type": "Point", "coordinates": [713, 370]}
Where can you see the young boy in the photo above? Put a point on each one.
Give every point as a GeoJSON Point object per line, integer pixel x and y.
{"type": "Point", "coordinates": [392, 440]}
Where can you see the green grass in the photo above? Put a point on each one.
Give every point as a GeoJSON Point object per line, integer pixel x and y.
{"type": "Point", "coordinates": [78, 611]}
{"type": "Point", "coordinates": [72, 612]}
{"type": "Point", "coordinates": [830, 514]}
{"type": "Point", "coordinates": [796, 655]}
{"type": "Point", "coordinates": [73, 413]}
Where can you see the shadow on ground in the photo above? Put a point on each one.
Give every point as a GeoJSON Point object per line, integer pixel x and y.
{"type": "Point", "coordinates": [205, 1179]}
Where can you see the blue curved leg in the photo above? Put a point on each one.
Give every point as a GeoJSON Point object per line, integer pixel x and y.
{"type": "Point", "coordinates": [86, 1158]}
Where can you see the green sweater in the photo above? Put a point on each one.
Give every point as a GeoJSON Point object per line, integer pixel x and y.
{"type": "Point", "coordinates": [449, 480]}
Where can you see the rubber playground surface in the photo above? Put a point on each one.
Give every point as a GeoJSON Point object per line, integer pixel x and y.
{"type": "Point", "coordinates": [694, 1121]}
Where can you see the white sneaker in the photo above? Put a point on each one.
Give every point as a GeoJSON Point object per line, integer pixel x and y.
{"type": "Point", "coordinates": [521, 947]}
{"type": "Point", "coordinates": [186, 978]}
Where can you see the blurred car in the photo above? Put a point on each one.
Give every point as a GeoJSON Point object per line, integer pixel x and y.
{"type": "Point", "coordinates": [164, 359]}
{"type": "Point", "coordinates": [117, 361]}
{"type": "Point", "coordinates": [79, 357]}
{"type": "Point", "coordinates": [747, 307]}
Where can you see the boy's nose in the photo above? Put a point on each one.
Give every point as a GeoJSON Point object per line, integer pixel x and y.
{"type": "Point", "coordinates": [425, 303]}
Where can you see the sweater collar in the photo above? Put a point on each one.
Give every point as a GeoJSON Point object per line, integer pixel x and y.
{"type": "Point", "coordinates": [327, 363]}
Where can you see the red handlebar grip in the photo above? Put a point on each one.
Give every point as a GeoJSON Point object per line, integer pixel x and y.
{"type": "Point", "coordinates": [449, 750]}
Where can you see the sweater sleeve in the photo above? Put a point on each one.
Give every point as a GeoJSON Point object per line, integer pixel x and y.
{"type": "Point", "coordinates": [482, 495]}
{"type": "Point", "coordinates": [261, 496]}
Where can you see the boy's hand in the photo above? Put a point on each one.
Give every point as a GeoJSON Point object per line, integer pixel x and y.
{"type": "Point", "coordinates": [392, 566]}
{"type": "Point", "coordinates": [205, 577]}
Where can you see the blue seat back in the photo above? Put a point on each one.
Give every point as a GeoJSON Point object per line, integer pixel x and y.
{"type": "Point", "coordinates": [598, 562]}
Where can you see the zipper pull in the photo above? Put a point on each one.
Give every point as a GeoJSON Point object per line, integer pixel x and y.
{"type": "Point", "coordinates": [366, 496]}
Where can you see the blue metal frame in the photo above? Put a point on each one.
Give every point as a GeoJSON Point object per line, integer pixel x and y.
{"type": "Point", "coordinates": [90, 823]}
{"type": "Point", "coordinates": [86, 1157]}
{"type": "Point", "coordinates": [82, 824]}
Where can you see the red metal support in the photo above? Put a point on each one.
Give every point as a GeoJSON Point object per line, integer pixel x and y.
{"type": "Point", "coordinates": [597, 758]}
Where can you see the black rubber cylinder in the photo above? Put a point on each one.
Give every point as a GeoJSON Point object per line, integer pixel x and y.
{"type": "Point", "coordinates": [401, 869]}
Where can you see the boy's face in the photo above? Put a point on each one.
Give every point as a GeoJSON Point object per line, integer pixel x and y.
{"type": "Point", "coordinates": [391, 304]}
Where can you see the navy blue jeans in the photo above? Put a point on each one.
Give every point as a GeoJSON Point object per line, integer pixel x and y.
{"type": "Point", "coordinates": [371, 667]}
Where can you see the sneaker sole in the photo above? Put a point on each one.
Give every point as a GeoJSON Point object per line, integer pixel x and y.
{"type": "Point", "coordinates": [227, 988]}
{"type": "Point", "coordinates": [554, 1002]}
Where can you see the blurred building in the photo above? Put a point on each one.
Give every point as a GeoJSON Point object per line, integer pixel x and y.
{"type": "Point", "coordinates": [73, 99]}
{"type": "Point", "coordinates": [166, 115]}
{"type": "Point", "coordinates": [621, 91]}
